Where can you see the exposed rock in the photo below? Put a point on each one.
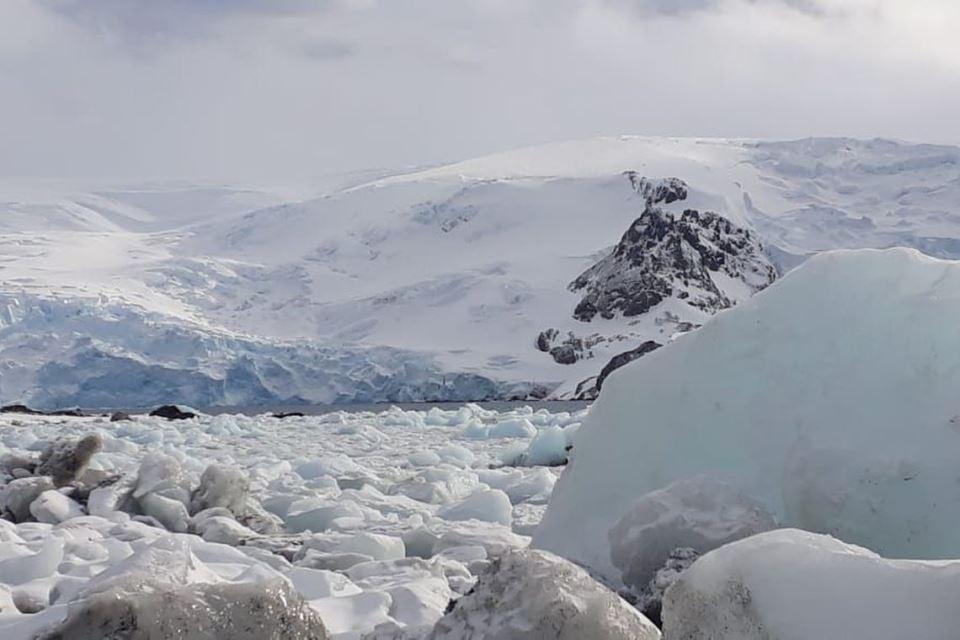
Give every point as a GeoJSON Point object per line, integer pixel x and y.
{"type": "Point", "coordinates": [663, 256]}
{"type": "Point", "coordinates": [667, 190]}
{"type": "Point", "coordinates": [24, 409]}
{"type": "Point", "coordinates": [264, 611]}
{"type": "Point", "coordinates": [20, 408]}
{"type": "Point", "coordinates": [546, 338]}
{"type": "Point", "coordinates": [624, 358]}
{"type": "Point", "coordinates": [65, 460]}
{"type": "Point", "coordinates": [288, 414]}
{"type": "Point", "coordinates": [119, 416]}
{"type": "Point", "coordinates": [650, 600]}
{"type": "Point", "coordinates": [172, 412]}
{"type": "Point", "coordinates": [527, 594]}
{"type": "Point", "coordinates": [571, 348]}
{"type": "Point", "coordinates": [589, 388]}
{"type": "Point", "coordinates": [564, 354]}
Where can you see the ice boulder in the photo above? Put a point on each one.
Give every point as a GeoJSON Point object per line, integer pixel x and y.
{"type": "Point", "coordinates": [64, 460]}
{"type": "Point", "coordinates": [377, 546]}
{"type": "Point", "coordinates": [699, 513]}
{"type": "Point", "coordinates": [223, 529]}
{"type": "Point", "coordinates": [831, 397]}
{"type": "Point", "coordinates": [513, 428]}
{"type": "Point", "coordinates": [53, 507]}
{"type": "Point", "coordinates": [333, 465]}
{"type": "Point", "coordinates": [246, 611]}
{"type": "Point", "coordinates": [549, 448]}
{"type": "Point", "coordinates": [796, 585]}
{"type": "Point", "coordinates": [491, 505]}
{"type": "Point", "coordinates": [221, 486]}
{"type": "Point", "coordinates": [162, 474]}
{"type": "Point", "coordinates": [17, 495]}
{"type": "Point", "coordinates": [528, 594]}
{"type": "Point", "coordinates": [169, 512]}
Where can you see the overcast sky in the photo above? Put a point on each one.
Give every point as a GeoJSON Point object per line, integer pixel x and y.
{"type": "Point", "coordinates": [268, 89]}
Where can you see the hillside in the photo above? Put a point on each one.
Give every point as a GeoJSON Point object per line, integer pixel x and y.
{"type": "Point", "coordinates": [446, 277]}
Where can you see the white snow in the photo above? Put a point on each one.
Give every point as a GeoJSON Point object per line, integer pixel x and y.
{"type": "Point", "coordinates": [830, 398]}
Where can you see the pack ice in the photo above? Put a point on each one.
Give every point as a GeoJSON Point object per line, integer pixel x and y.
{"type": "Point", "coordinates": [828, 400]}
{"type": "Point", "coordinates": [345, 526]}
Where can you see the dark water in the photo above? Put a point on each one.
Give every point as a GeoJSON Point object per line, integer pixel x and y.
{"type": "Point", "coordinates": [554, 406]}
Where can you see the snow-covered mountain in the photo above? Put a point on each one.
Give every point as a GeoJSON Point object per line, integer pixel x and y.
{"type": "Point", "coordinates": [440, 283]}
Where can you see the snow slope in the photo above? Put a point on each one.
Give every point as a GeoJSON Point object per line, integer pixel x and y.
{"type": "Point", "coordinates": [453, 270]}
{"type": "Point", "coordinates": [830, 397]}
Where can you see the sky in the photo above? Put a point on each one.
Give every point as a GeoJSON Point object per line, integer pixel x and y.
{"type": "Point", "coordinates": [261, 90]}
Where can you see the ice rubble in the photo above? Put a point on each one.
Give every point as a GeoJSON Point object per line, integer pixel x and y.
{"type": "Point", "coordinates": [794, 585]}
{"type": "Point", "coordinates": [377, 521]}
{"type": "Point", "coordinates": [534, 595]}
{"type": "Point", "coordinates": [830, 398]}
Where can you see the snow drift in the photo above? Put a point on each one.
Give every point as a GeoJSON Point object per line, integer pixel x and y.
{"type": "Point", "coordinates": [830, 397]}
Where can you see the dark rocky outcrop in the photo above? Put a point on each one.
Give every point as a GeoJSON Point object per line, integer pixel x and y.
{"type": "Point", "coordinates": [667, 191]}
{"type": "Point", "coordinates": [590, 388]}
{"type": "Point", "coordinates": [663, 255]}
{"type": "Point", "coordinates": [25, 410]}
{"type": "Point", "coordinates": [172, 412]}
{"type": "Point", "coordinates": [624, 358]}
{"type": "Point", "coordinates": [570, 349]}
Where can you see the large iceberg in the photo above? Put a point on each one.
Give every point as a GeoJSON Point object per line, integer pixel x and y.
{"type": "Point", "coordinates": [831, 397]}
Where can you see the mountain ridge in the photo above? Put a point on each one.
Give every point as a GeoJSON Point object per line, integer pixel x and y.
{"type": "Point", "coordinates": [459, 268]}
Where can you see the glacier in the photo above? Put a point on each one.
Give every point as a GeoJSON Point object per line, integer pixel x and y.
{"type": "Point", "coordinates": [443, 278]}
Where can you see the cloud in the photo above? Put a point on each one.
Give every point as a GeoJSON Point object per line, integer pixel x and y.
{"type": "Point", "coordinates": [655, 8]}
{"type": "Point", "coordinates": [258, 90]}
{"type": "Point", "coordinates": [133, 19]}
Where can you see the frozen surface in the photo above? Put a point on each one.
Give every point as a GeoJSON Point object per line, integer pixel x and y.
{"type": "Point", "coordinates": [794, 585]}
{"type": "Point", "coordinates": [370, 522]}
{"type": "Point", "coordinates": [440, 279]}
{"type": "Point", "coordinates": [830, 398]}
